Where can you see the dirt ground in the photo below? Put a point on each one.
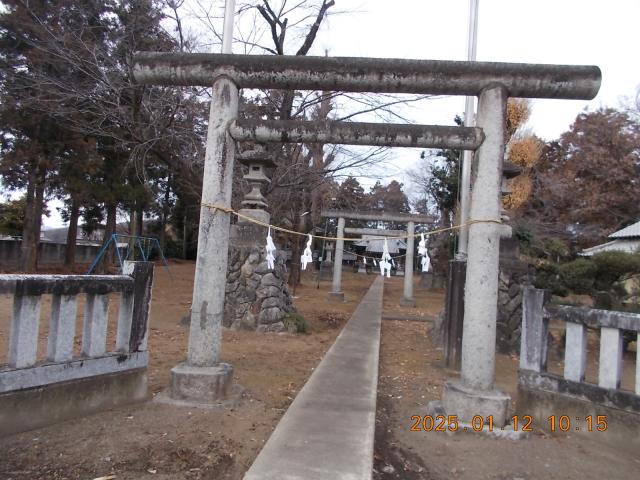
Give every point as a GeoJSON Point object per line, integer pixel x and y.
{"type": "Point", "coordinates": [157, 441]}
{"type": "Point", "coordinates": [411, 375]}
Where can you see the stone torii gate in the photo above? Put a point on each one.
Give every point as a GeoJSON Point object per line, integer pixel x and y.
{"type": "Point", "coordinates": [203, 378]}
{"type": "Point", "coordinates": [336, 293]}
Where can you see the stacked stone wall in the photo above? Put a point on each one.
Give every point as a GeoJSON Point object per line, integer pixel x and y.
{"type": "Point", "coordinates": [510, 287]}
{"type": "Point", "coordinates": [257, 297]}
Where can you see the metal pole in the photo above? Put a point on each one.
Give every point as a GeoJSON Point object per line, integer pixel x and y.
{"type": "Point", "coordinates": [467, 156]}
{"type": "Point", "coordinates": [227, 32]}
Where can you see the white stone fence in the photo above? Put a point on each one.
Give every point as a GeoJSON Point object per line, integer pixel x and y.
{"type": "Point", "coordinates": [23, 369]}
{"type": "Point", "coordinates": [537, 386]}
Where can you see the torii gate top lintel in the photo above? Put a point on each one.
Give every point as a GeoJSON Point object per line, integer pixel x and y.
{"type": "Point", "coordinates": [378, 216]}
{"type": "Point", "coordinates": [388, 75]}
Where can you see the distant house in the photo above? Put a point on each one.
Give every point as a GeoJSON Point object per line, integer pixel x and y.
{"type": "Point", "coordinates": [59, 235]}
{"type": "Point", "coordinates": [625, 240]}
{"type": "Point", "coordinates": [376, 245]}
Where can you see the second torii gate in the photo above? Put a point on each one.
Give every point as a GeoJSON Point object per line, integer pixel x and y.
{"type": "Point", "coordinates": [336, 293]}
{"type": "Point", "coordinates": [203, 378]}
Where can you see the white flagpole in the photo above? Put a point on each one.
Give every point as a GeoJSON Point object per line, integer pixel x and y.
{"type": "Point", "coordinates": [227, 32]}
{"type": "Point", "coordinates": [469, 121]}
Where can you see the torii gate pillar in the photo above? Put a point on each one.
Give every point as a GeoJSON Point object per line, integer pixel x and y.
{"type": "Point", "coordinates": [336, 294]}
{"type": "Point", "coordinates": [475, 393]}
{"type": "Point", "coordinates": [202, 378]}
{"type": "Point", "coordinates": [407, 296]}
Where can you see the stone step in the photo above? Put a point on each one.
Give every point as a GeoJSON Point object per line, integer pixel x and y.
{"type": "Point", "coordinates": [328, 431]}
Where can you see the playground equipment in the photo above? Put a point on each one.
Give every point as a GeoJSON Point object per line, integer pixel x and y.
{"type": "Point", "coordinates": [144, 245]}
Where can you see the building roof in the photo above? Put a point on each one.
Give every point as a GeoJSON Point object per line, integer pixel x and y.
{"type": "Point", "coordinates": [619, 245]}
{"type": "Point", "coordinates": [627, 232]}
{"type": "Point", "coordinates": [377, 246]}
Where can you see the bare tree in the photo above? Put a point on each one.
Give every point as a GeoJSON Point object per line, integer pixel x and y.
{"type": "Point", "coordinates": [282, 27]}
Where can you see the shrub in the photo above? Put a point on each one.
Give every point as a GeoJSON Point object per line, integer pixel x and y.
{"type": "Point", "coordinates": [613, 265]}
{"type": "Point", "coordinates": [550, 248]}
{"type": "Point", "coordinates": [524, 236]}
{"type": "Point", "coordinates": [555, 248]}
{"type": "Point", "coordinates": [295, 323]}
{"type": "Point", "coordinates": [578, 275]}
{"type": "Point", "coordinates": [548, 277]}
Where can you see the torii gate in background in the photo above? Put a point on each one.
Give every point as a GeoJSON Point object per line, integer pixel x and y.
{"type": "Point", "coordinates": [410, 219]}
{"type": "Point", "coordinates": [203, 378]}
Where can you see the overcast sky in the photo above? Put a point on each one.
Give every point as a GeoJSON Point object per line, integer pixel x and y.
{"type": "Point", "coordinates": [575, 32]}
{"type": "Point", "coordinates": [570, 32]}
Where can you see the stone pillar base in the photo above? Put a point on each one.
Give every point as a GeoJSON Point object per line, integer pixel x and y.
{"type": "Point", "coordinates": [407, 302]}
{"type": "Point", "coordinates": [336, 296]}
{"type": "Point", "coordinates": [201, 385]}
{"type": "Point", "coordinates": [466, 403]}
{"type": "Point", "coordinates": [435, 409]}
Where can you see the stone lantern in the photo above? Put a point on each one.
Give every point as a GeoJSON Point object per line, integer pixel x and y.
{"type": "Point", "coordinates": [256, 295]}
{"type": "Point", "coordinates": [254, 204]}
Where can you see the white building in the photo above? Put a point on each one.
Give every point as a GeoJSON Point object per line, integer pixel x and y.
{"type": "Point", "coordinates": [625, 240]}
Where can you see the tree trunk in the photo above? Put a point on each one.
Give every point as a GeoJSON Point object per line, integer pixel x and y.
{"type": "Point", "coordinates": [297, 248]}
{"type": "Point", "coordinates": [316, 193]}
{"type": "Point", "coordinates": [184, 237]}
{"type": "Point", "coordinates": [32, 221]}
{"type": "Point", "coordinates": [72, 234]}
{"type": "Point", "coordinates": [139, 228]}
{"type": "Point", "coordinates": [296, 251]}
{"type": "Point", "coordinates": [27, 262]}
{"type": "Point", "coordinates": [109, 230]}
{"type": "Point", "coordinates": [132, 233]}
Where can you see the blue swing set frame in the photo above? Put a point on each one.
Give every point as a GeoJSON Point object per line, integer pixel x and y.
{"type": "Point", "coordinates": [143, 244]}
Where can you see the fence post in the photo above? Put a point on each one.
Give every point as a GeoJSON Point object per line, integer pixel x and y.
{"type": "Point", "coordinates": [62, 328]}
{"type": "Point", "coordinates": [575, 357]}
{"type": "Point", "coordinates": [142, 273]}
{"type": "Point", "coordinates": [94, 334]}
{"type": "Point", "coordinates": [610, 369]}
{"type": "Point", "coordinates": [533, 344]}
{"type": "Point", "coordinates": [23, 342]}
{"type": "Point", "coordinates": [454, 314]}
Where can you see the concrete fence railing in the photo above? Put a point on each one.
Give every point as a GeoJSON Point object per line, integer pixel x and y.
{"type": "Point", "coordinates": [28, 377]}
{"type": "Point", "coordinates": [561, 394]}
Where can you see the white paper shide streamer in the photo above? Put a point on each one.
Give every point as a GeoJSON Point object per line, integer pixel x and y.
{"type": "Point", "coordinates": [385, 264]}
{"type": "Point", "coordinates": [271, 250]}
{"type": "Point", "coordinates": [422, 251]}
{"type": "Point", "coordinates": [306, 255]}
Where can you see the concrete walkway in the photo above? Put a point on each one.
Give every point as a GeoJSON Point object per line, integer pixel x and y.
{"type": "Point", "coordinates": [327, 432]}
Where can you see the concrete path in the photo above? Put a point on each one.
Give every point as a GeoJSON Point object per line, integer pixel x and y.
{"type": "Point", "coordinates": [327, 432]}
